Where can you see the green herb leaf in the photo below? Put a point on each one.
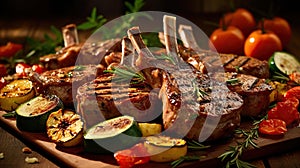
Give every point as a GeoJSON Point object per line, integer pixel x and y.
{"type": "Point", "coordinates": [9, 115]}
{"type": "Point", "coordinates": [232, 155]}
{"type": "Point", "coordinates": [126, 73]}
{"type": "Point", "coordinates": [192, 144]}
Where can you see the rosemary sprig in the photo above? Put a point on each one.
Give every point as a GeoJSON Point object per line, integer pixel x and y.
{"type": "Point", "coordinates": [233, 154]}
{"type": "Point", "coordinates": [198, 91]}
{"type": "Point", "coordinates": [183, 159]}
{"type": "Point", "coordinates": [126, 73]}
{"type": "Point", "coordinates": [194, 145]}
{"type": "Point", "coordinates": [165, 57]}
{"type": "Point", "coordinates": [279, 77]}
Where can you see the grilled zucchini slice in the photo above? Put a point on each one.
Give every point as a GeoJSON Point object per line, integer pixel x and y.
{"type": "Point", "coordinates": [112, 135]}
{"type": "Point", "coordinates": [32, 115]}
{"type": "Point", "coordinates": [284, 63]}
{"type": "Point", "coordinates": [15, 93]}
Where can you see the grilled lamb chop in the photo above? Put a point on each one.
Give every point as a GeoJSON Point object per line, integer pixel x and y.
{"type": "Point", "coordinates": [254, 90]}
{"type": "Point", "coordinates": [105, 98]}
{"type": "Point", "coordinates": [190, 107]}
{"type": "Point", "coordinates": [87, 53]}
{"type": "Point", "coordinates": [192, 53]}
{"type": "Point", "coordinates": [64, 82]}
{"type": "Point", "coordinates": [115, 93]}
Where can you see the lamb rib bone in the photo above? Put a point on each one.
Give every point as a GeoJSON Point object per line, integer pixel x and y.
{"type": "Point", "coordinates": [70, 35]}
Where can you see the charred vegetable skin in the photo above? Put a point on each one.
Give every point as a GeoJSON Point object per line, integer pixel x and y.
{"type": "Point", "coordinates": [32, 115]}
{"type": "Point", "coordinates": [65, 128]}
{"type": "Point", "coordinates": [117, 134]}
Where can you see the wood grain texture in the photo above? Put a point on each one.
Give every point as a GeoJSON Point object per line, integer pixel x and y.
{"type": "Point", "coordinates": [11, 147]}
{"type": "Point", "coordinates": [75, 157]}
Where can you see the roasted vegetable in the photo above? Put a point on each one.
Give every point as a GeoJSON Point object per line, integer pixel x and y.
{"type": "Point", "coordinates": [15, 93]}
{"type": "Point", "coordinates": [112, 135]}
{"type": "Point", "coordinates": [32, 115]}
{"type": "Point", "coordinates": [164, 148]}
{"type": "Point", "coordinates": [65, 128]}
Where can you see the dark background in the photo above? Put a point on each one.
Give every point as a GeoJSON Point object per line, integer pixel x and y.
{"type": "Point", "coordinates": [38, 15]}
{"type": "Point", "coordinates": [79, 9]}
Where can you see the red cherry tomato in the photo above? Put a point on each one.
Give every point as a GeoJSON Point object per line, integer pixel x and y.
{"type": "Point", "coordinates": [280, 27]}
{"type": "Point", "coordinates": [21, 69]}
{"type": "Point", "coordinates": [272, 127]}
{"type": "Point", "coordinates": [135, 155]}
{"type": "Point", "coordinates": [10, 49]}
{"type": "Point", "coordinates": [286, 110]}
{"type": "Point", "coordinates": [240, 18]}
{"type": "Point", "coordinates": [3, 70]}
{"type": "Point", "coordinates": [262, 45]}
{"type": "Point", "coordinates": [38, 68]}
{"type": "Point", "coordinates": [228, 40]}
{"type": "Point", "coordinates": [294, 92]}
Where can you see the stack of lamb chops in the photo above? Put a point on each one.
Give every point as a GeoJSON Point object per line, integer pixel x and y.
{"type": "Point", "coordinates": [195, 103]}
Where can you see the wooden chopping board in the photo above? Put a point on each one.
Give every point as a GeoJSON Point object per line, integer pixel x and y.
{"type": "Point", "coordinates": [75, 157]}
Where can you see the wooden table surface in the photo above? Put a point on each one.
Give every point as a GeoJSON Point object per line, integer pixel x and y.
{"type": "Point", "coordinates": [11, 144]}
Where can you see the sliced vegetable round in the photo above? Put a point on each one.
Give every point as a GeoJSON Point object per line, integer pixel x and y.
{"type": "Point", "coordinates": [112, 135]}
{"type": "Point", "coordinates": [284, 63]}
{"type": "Point", "coordinates": [164, 148]}
{"type": "Point", "coordinates": [15, 93]}
{"type": "Point", "coordinates": [65, 128]}
{"type": "Point", "coordinates": [32, 115]}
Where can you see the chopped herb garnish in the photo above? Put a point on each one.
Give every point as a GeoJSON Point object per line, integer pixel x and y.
{"type": "Point", "coordinates": [198, 91]}
{"type": "Point", "coordinates": [126, 73]}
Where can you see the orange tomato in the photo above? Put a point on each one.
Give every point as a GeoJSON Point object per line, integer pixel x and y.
{"type": "Point", "coordinates": [262, 44]}
{"type": "Point", "coordinates": [229, 40]}
{"type": "Point", "coordinates": [10, 49]}
{"type": "Point", "coordinates": [280, 27]}
{"type": "Point", "coordinates": [272, 127]}
{"type": "Point", "coordinates": [240, 18]}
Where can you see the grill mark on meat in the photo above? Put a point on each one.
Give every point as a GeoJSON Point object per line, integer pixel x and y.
{"type": "Point", "coordinates": [63, 81]}
{"type": "Point", "coordinates": [231, 63]}
{"type": "Point", "coordinates": [102, 99]}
